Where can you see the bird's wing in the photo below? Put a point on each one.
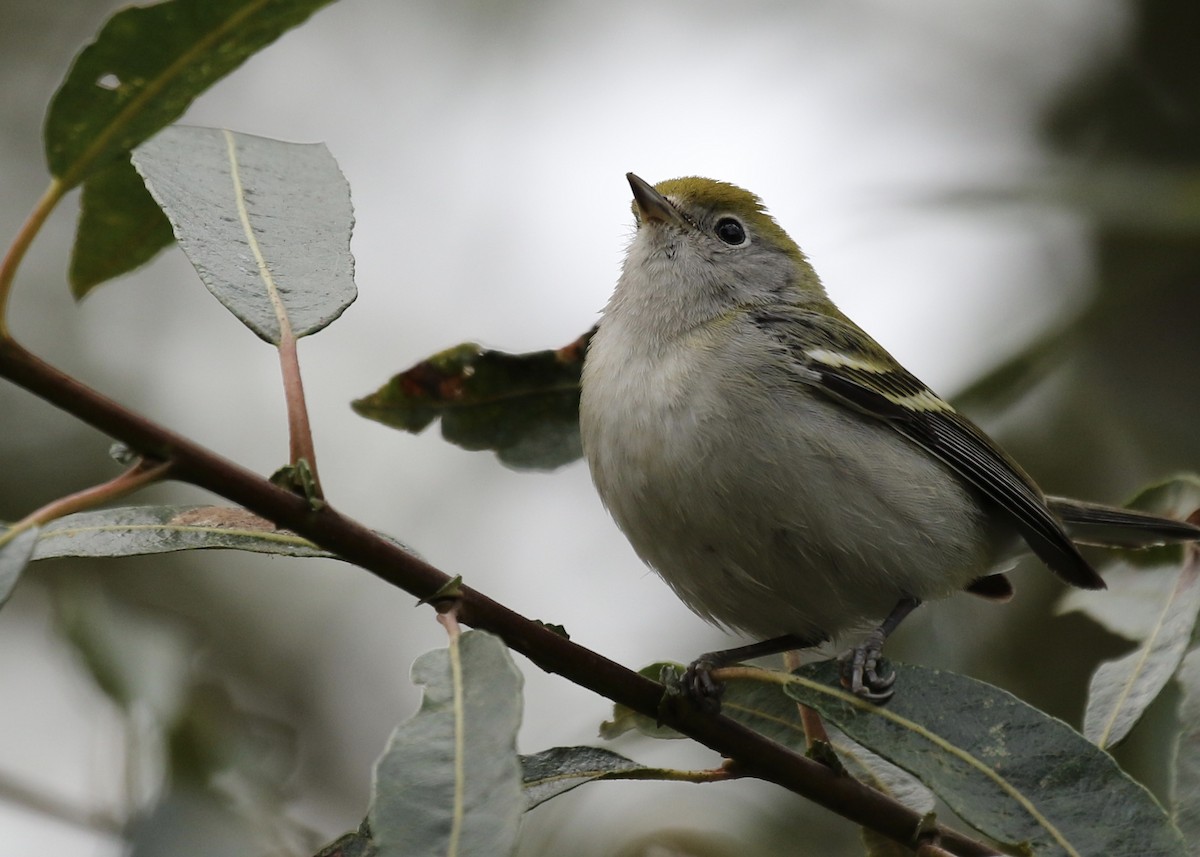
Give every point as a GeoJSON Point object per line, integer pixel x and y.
{"type": "Point", "coordinates": [829, 354]}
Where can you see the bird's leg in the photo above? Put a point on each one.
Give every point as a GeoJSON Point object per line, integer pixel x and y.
{"type": "Point", "coordinates": [706, 691]}
{"type": "Point", "coordinates": [860, 665]}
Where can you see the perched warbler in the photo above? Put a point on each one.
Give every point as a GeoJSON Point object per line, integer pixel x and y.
{"type": "Point", "coordinates": [781, 471]}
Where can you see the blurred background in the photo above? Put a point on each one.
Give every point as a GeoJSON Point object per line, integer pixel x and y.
{"type": "Point", "coordinates": [1004, 185]}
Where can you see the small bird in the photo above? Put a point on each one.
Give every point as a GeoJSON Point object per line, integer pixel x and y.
{"type": "Point", "coordinates": [778, 468]}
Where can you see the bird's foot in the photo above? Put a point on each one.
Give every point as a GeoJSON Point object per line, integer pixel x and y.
{"type": "Point", "coordinates": [705, 691]}
{"type": "Point", "coordinates": [863, 670]}
{"type": "Point", "coordinates": [700, 686]}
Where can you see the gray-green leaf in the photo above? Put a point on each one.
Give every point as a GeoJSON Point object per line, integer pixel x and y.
{"type": "Point", "coordinates": [558, 770]}
{"type": "Point", "coordinates": [15, 554]}
{"type": "Point", "coordinates": [450, 780]}
{"type": "Point", "coordinates": [138, 530]}
{"type": "Point", "coordinates": [1014, 773]}
{"type": "Point", "coordinates": [265, 223]}
{"type": "Point", "coordinates": [1122, 689]}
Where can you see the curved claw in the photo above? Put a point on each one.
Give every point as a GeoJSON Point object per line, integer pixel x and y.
{"type": "Point", "coordinates": [860, 665]}
{"type": "Point", "coordinates": [700, 686]}
{"type": "Point", "coordinates": [860, 673]}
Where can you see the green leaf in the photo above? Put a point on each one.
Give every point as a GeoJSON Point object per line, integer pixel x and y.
{"type": "Point", "coordinates": [882, 775]}
{"type": "Point", "coordinates": [138, 530]}
{"type": "Point", "coordinates": [146, 66]}
{"type": "Point", "coordinates": [625, 719]}
{"type": "Point", "coordinates": [120, 227]}
{"type": "Point", "coordinates": [356, 844]}
{"type": "Point", "coordinates": [1185, 782]}
{"type": "Point", "coordinates": [253, 755]}
{"type": "Point", "coordinates": [265, 223]}
{"type": "Point", "coordinates": [525, 407]}
{"type": "Point", "coordinates": [1014, 773]}
{"type": "Point", "coordinates": [558, 770]}
{"type": "Point", "coordinates": [1122, 689]}
{"type": "Point", "coordinates": [450, 780]}
{"type": "Point", "coordinates": [137, 658]}
{"type": "Point", "coordinates": [769, 710]}
{"type": "Point", "coordinates": [15, 554]}
{"type": "Point", "coordinates": [226, 783]}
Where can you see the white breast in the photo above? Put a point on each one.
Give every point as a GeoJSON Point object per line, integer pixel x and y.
{"type": "Point", "coordinates": [766, 506]}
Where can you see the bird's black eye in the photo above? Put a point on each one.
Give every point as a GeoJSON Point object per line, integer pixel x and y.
{"type": "Point", "coordinates": [731, 232]}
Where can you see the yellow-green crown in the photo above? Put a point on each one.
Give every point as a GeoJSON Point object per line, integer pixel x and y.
{"type": "Point", "coordinates": [717, 197]}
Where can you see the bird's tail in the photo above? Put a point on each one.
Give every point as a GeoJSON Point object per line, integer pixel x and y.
{"type": "Point", "coordinates": [1112, 527]}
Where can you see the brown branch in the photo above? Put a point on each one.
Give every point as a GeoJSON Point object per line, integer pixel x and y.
{"type": "Point", "coordinates": [755, 754]}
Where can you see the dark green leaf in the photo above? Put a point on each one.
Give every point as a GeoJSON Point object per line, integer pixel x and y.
{"type": "Point", "coordinates": [525, 407]}
{"type": "Point", "coordinates": [769, 710]}
{"type": "Point", "coordinates": [1009, 770]}
{"type": "Point", "coordinates": [450, 779]}
{"type": "Point", "coordinates": [15, 554]}
{"type": "Point", "coordinates": [265, 223]}
{"type": "Point", "coordinates": [558, 770]}
{"type": "Point", "coordinates": [138, 530]}
{"type": "Point", "coordinates": [1185, 785]}
{"type": "Point", "coordinates": [357, 844]}
{"type": "Point", "coordinates": [120, 227]}
{"type": "Point", "coordinates": [145, 67]}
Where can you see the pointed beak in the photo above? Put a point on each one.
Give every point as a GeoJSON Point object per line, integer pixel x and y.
{"type": "Point", "coordinates": [651, 204]}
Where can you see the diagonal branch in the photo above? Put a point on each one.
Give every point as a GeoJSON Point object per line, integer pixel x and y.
{"type": "Point", "coordinates": [189, 462]}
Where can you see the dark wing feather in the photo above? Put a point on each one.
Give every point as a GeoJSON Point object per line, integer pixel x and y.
{"type": "Point", "coordinates": [874, 384]}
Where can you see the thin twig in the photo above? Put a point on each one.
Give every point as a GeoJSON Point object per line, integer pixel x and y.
{"type": "Point", "coordinates": [138, 476]}
{"type": "Point", "coordinates": [299, 429]}
{"type": "Point", "coordinates": [810, 720]}
{"type": "Point", "coordinates": [16, 251]}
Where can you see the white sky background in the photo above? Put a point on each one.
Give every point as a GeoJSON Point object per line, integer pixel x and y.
{"type": "Point", "coordinates": [486, 146]}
